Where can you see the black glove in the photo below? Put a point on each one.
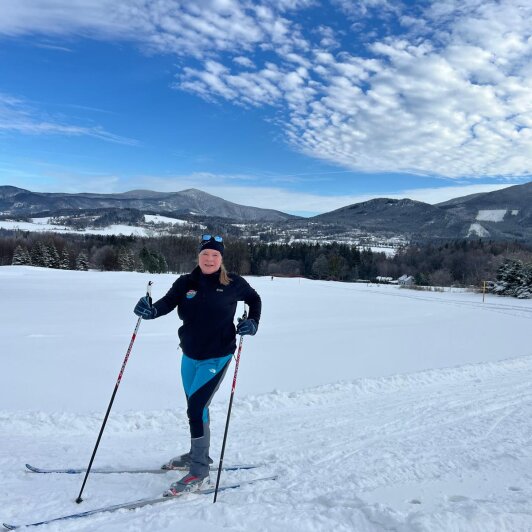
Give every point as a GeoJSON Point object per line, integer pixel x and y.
{"type": "Point", "coordinates": [145, 309]}
{"type": "Point", "coordinates": [246, 327]}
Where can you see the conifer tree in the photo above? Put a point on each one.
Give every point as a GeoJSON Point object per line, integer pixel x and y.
{"type": "Point", "coordinates": [163, 265]}
{"type": "Point", "coordinates": [54, 259]}
{"type": "Point", "coordinates": [126, 260]}
{"type": "Point", "coordinates": [65, 259]}
{"type": "Point", "coordinates": [82, 262]}
{"type": "Point", "coordinates": [21, 256]}
{"type": "Point", "coordinates": [36, 255]}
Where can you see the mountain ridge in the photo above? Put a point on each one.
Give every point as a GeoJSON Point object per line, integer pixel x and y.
{"type": "Point", "coordinates": [502, 214]}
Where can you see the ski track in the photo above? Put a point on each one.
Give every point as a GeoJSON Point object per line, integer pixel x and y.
{"type": "Point", "coordinates": [403, 453]}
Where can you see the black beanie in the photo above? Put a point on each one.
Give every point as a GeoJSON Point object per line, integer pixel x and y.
{"type": "Point", "coordinates": [212, 244]}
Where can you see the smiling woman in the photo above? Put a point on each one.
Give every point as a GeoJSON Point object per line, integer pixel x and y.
{"type": "Point", "coordinates": [206, 301]}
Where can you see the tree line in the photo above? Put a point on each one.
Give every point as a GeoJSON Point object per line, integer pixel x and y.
{"type": "Point", "coordinates": [461, 262]}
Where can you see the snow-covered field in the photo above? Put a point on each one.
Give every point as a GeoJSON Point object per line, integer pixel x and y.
{"type": "Point", "coordinates": [41, 225]}
{"type": "Point", "coordinates": [380, 408]}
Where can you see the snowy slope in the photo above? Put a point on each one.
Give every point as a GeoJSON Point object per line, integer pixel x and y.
{"type": "Point", "coordinates": [41, 225]}
{"type": "Point", "coordinates": [381, 408]}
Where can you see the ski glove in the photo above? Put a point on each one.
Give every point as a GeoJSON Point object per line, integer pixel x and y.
{"type": "Point", "coordinates": [144, 309]}
{"type": "Point", "coordinates": [246, 327]}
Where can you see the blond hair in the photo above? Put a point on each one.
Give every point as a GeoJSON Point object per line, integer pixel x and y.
{"type": "Point", "coordinates": [224, 276]}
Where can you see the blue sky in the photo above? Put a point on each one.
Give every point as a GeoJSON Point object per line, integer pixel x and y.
{"type": "Point", "coordinates": [296, 105]}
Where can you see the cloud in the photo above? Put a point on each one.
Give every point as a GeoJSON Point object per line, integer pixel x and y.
{"type": "Point", "coordinates": [18, 116]}
{"type": "Point", "coordinates": [441, 88]}
{"type": "Point", "coordinates": [452, 102]}
{"type": "Point", "coordinates": [199, 29]}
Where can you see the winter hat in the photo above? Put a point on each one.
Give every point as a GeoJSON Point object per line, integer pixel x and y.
{"type": "Point", "coordinates": [212, 242]}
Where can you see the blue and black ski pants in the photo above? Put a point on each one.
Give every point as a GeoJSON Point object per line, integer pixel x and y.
{"type": "Point", "coordinates": [201, 380]}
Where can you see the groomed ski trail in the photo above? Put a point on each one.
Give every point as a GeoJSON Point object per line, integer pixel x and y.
{"type": "Point", "coordinates": [437, 450]}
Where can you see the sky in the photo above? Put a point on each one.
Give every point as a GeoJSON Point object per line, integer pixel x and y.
{"type": "Point", "coordinates": [303, 106]}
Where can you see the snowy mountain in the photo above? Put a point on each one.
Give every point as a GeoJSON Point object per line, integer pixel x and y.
{"type": "Point", "coordinates": [501, 215]}
{"type": "Point", "coordinates": [405, 216]}
{"type": "Point", "coordinates": [20, 202]}
{"type": "Point", "coordinates": [390, 410]}
{"type": "Point", "coordinates": [505, 213]}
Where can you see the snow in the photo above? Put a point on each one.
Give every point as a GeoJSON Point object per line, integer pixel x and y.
{"type": "Point", "coordinates": [491, 215]}
{"type": "Point", "coordinates": [389, 252]}
{"type": "Point", "coordinates": [380, 408]}
{"type": "Point", "coordinates": [37, 225]}
{"type": "Point", "coordinates": [42, 225]}
{"type": "Point", "coordinates": [158, 219]}
{"type": "Point", "coordinates": [478, 229]}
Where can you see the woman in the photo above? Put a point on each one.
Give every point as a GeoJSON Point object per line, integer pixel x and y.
{"type": "Point", "coordinates": [206, 301]}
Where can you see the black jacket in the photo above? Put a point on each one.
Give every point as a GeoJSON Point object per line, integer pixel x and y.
{"type": "Point", "coordinates": [207, 309]}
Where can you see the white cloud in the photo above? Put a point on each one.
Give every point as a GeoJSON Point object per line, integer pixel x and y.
{"type": "Point", "coordinates": [458, 106]}
{"type": "Point", "coordinates": [201, 29]}
{"type": "Point", "coordinates": [244, 61]}
{"type": "Point", "coordinates": [450, 94]}
{"type": "Point", "coordinates": [16, 115]}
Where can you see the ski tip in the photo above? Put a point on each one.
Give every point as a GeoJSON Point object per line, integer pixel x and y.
{"type": "Point", "coordinates": [9, 527]}
{"type": "Point", "coordinates": [32, 468]}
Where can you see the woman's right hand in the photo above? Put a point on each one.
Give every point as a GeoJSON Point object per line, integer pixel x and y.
{"type": "Point", "coordinates": [144, 309]}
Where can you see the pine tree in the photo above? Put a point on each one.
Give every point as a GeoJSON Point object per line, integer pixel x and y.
{"type": "Point", "coordinates": [524, 290]}
{"type": "Point", "coordinates": [163, 265]}
{"type": "Point", "coordinates": [21, 256]}
{"type": "Point", "coordinates": [55, 260]}
{"type": "Point", "coordinates": [126, 260]}
{"type": "Point", "coordinates": [65, 259]}
{"type": "Point", "coordinates": [82, 262]}
{"type": "Point", "coordinates": [150, 262]}
{"type": "Point", "coordinates": [36, 255]}
{"type": "Point", "coordinates": [40, 256]}
{"type": "Point", "coordinates": [513, 279]}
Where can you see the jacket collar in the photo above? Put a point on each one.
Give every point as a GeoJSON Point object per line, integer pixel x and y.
{"type": "Point", "coordinates": [198, 276]}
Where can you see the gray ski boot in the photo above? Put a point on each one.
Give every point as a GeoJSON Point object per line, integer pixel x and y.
{"type": "Point", "coordinates": [183, 462]}
{"type": "Point", "coordinates": [198, 475]}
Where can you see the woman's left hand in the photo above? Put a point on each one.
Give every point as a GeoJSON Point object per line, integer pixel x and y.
{"type": "Point", "coordinates": [246, 327]}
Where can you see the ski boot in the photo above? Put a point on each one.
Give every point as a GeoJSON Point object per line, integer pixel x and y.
{"type": "Point", "coordinates": [188, 484]}
{"type": "Point", "coordinates": [182, 462]}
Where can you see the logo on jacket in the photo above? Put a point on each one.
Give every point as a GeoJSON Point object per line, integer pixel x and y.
{"type": "Point", "coordinates": [191, 294]}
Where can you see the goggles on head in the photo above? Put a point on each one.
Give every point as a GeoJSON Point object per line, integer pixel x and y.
{"type": "Point", "coordinates": [207, 237]}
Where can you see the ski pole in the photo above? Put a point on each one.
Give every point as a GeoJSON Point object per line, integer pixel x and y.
{"type": "Point", "coordinates": [79, 499]}
{"type": "Point", "coordinates": [244, 316]}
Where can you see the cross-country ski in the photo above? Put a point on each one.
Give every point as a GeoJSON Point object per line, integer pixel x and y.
{"type": "Point", "coordinates": [132, 505]}
{"type": "Point", "coordinates": [110, 470]}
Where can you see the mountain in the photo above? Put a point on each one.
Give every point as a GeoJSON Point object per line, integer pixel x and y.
{"type": "Point", "coordinates": [394, 216]}
{"type": "Point", "coordinates": [503, 214]}
{"type": "Point", "coordinates": [20, 202]}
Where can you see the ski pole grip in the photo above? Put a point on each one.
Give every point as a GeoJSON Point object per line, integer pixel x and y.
{"type": "Point", "coordinates": [148, 291]}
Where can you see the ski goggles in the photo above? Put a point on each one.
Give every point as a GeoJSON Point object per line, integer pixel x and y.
{"type": "Point", "coordinates": [207, 237]}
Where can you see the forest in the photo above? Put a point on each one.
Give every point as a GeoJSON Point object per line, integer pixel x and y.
{"type": "Point", "coordinates": [459, 262]}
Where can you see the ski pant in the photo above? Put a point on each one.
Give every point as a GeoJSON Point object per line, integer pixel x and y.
{"type": "Point", "coordinates": [201, 380]}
